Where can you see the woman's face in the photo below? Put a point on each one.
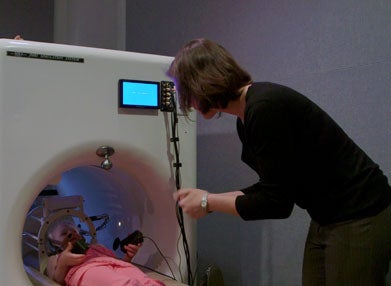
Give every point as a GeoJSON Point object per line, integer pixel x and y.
{"type": "Point", "coordinates": [207, 115]}
{"type": "Point", "coordinates": [210, 114]}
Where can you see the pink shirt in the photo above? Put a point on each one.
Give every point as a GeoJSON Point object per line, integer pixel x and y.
{"type": "Point", "coordinates": [101, 268]}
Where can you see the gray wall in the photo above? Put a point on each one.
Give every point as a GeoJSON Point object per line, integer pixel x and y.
{"type": "Point", "coordinates": [338, 53]}
{"type": "Point", "coordinates": [91, 23]}
{"type": "Point", "coordinates": [31, 19]}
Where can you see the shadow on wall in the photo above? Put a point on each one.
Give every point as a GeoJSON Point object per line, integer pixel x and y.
{"type": "Point", "coordinates": [219, 170]}
{"type": "Point", "coordinates": [268, 251]}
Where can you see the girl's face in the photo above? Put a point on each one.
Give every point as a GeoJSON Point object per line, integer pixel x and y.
{"type": "Point", "coordinates": [64, 233]}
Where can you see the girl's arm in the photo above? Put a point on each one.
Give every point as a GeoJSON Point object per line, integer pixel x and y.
{"type": "Point", "coordinates": [59, 265]}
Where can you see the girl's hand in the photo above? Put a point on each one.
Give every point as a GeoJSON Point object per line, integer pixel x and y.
{"type": "Point", "coordinates": [131, 251]}
{"type": "Point", "coordinates": [65, 260]}
{"type": "Point", "coordinates": [69, 259]}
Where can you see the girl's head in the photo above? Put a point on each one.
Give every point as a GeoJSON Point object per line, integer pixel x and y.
{"type": "Point", "coordinates": [206, 76]}
{"type": "Point", "coordinates": [62, 231]}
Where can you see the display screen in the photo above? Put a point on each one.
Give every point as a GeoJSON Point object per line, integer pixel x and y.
{"type": "Point", "coordinates": [138, 94]}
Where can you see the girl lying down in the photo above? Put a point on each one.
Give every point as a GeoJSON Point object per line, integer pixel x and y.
{"type": "Point", "coordinates": [97, 267]}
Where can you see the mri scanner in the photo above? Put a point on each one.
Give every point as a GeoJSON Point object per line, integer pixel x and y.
{"type": "Point", "coordinates": [77, 137]}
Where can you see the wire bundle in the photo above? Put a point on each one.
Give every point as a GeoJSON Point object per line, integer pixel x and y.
{"type": "Point", "coordinates": [179, 212]}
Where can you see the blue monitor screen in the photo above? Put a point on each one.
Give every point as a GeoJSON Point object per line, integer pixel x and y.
{"type": "Point", "coordinates": [139, 94]}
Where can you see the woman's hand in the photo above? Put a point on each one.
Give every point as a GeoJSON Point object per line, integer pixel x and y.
{"type": "Point", "coordinates": [131, 251]}
{"type": "Point", "coordinates": [190, 201]}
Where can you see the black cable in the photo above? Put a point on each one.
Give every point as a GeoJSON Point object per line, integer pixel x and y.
{"type": "Point", "coordinates": [103, 225]}
{"type": "Point", "coordinates": [165, 259]}
{"type": "Point", "coordinates": [179, 212]}
{"type": "Point", "coordinates": [180, 256]}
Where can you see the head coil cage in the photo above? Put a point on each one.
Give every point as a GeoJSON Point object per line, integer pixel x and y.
{"type": "Point", "coordinates": [35, 244]}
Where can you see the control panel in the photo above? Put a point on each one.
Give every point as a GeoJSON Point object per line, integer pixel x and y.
{"type": "Point", "coordinates": [167, 96]}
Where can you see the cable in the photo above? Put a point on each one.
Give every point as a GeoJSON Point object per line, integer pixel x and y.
{"type": "Point", "coordinates": [165, 259]}
{"type": "Point", "coordinates": [180, 256]}
{"type": "Point", "coordinates": [179, 212]}
{"type": "Point", "coordinates": [103, 225]}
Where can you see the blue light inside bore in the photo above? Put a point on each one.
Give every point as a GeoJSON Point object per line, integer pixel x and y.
{"type": "Point", "coordinates": [140, 94]}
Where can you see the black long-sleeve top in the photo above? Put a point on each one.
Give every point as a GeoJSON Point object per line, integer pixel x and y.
{"type": "Point", "coordinates": [302, 156]}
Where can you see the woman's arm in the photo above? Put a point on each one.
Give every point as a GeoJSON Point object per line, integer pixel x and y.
{"type": "Point", "coordinates": [190, 201]}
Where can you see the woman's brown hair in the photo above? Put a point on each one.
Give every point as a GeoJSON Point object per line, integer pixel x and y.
{"type": "Point", "coordinates": [206, 74]}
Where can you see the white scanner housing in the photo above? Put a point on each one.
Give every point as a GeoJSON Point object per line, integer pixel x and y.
{"type": "Point", "coordinates": [58, 106]}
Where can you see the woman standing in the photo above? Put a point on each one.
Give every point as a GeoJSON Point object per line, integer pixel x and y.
{"type": "Point", "coordinates": [302, 157]}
